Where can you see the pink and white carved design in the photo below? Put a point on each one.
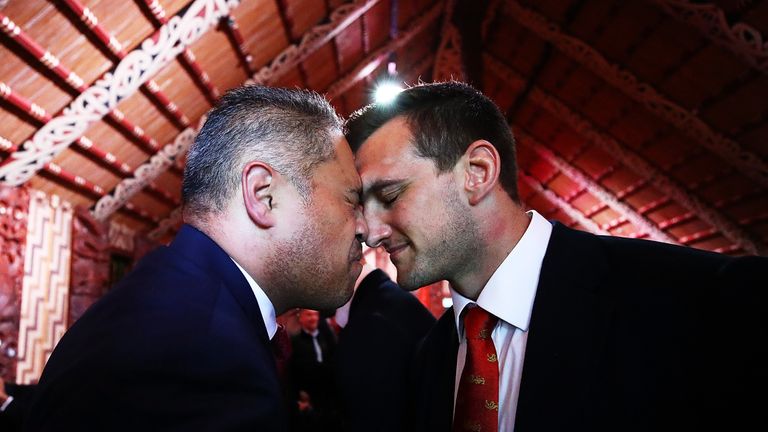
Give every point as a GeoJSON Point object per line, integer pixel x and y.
{"type": "Point", "coordinates": [685, 120]}
{"type": "Point", "coordinates": [104, 95]}
{"type": "Point", "coordinates": [90, 262]}
{"type": "Point", "coordinates": [144, 175]}
{"type": "Point", "coordinates": [14, 210]}
{"type": "Point", "coordinates": [448, 64]}
{"type": "Point", "coordinates": [583, 180]}
{"type": "Point", "coordinates": [121, 237]}
{"type": "Point", "coordinates": [318, 36]}
{"type": "Point", "coordinates": [562, 204]}
{"type": "Point", "coordinates": [45, 285]}
{"type": "Point", "coordinates": [171, 221]}
{"type": "Point", "coordinates": [742, 39]}
{"type": "Point", "coordinates": [629, 158]}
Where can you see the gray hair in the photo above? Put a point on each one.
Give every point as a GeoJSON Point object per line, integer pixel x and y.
{"type": "Point", "coordinates": [292, 130]}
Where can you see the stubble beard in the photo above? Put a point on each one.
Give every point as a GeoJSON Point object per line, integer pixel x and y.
{"type": "Point", "coordinates": [454, 251]}
{"type": "Point", "coordinates": [302, 274]}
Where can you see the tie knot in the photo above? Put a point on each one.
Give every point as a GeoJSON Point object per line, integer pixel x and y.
{"type": "Point", "coordinates": [478, 323]}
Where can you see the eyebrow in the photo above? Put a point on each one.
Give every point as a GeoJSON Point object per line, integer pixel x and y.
{"type": "Point", "coordinates": [378, 185]}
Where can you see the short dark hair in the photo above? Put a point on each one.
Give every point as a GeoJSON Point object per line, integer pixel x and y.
{"type": "Point", "coordinates": [292, 130]}
{"type": "Point", "coordinates": [444, 118]}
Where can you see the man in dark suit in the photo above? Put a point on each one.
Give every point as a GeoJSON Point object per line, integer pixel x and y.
{"type": "Point", "coordinates": [551, 328]}
{"type": "Point", "coordinates": [380, 332]}
{"type": "Point", "coordinates": [311, 368]}
{"type": "Point", "coordinates": [183, 342]}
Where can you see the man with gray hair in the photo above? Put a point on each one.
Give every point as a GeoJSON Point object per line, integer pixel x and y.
{"type": "Point", "coordinates": [273, 222]}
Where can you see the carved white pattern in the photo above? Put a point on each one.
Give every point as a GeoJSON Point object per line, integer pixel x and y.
{"type": "Point", "coordinates": [104, 95]}
{"type": "Point", "coordinates": [741, 38]}
{"type": "Point", "coordinates": [165, 224]}
{"type": "Point", "coordinates": [143, 175]}
{"type": "Point", "coordinates": [340, 18]}
{"type": "Point", "coordinates": [685, 120]}
{"type": "Point", "coordinates": [121, 237]}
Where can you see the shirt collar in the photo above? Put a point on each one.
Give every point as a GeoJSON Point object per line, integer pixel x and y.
{"type": "Point", "coordinates": [510, 291]}
{"type": "Point", "coordinates": [265, 305]}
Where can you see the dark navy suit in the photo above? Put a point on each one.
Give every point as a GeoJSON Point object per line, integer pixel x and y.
{"type": "Point", "coordinates": [178, 344]}
{"type": "Point", "coordinates": [374, 353]}
{"type": "Point", "coordinates": [627, 335]}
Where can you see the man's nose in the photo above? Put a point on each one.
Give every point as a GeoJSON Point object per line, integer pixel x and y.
{"type": "Point", "coordinates": [361, 225]}
{"type": "Point", "coordinates": [378, 231]}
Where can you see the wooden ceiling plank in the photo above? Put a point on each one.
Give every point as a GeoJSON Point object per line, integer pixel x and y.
{"type": "Point", "coordinates": [315, 38]}
{"type": "Point", "coordinates": [583, 180]}
{"type": "Point", "coordinates": [187, 58]}
{"type": "Point", "coordinates": [104, 95]}
{"type": "Point", "coordinates": [105, 159]}
{"type": "Point", "coordinates": [687, 121]}
{"type": "Point", "coordinates": [630, 159]}
{"type": "Point", "coordinates": [238, 42]}
{"type": "Point", "coordinates": [449, 64]}
{"type": "Point", "coordinates": [85, 145]}
{"type": "Point", "coordinates": [145, 174]}
{"type": "Point", "coordinates": [110, 42]}
{"type": "Point", "coordinates": [378, 57]}
{"type": "Point", "coordinates": [740, 38]}
{"type": "Point", "coordinates": [76, 83]}
{"type": "Point", "coordinates": [565, 206]}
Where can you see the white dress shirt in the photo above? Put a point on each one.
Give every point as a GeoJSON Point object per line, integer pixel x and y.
{"type": "Point", "coordinates": [508, 295]}
{"type": "Point", "coordinates": [265, 305]}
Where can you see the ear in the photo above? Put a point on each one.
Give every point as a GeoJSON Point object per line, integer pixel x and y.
{"type": "Point", "coordinates": [481, 170]}
{"type": "Point", "coordinates": [258, 187]}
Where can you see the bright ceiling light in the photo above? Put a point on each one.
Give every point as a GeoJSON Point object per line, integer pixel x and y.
{"type": "Point", "coordinates": [386, 92]}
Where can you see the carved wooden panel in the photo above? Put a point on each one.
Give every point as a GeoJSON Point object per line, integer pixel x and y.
{"type": "Point", "coordinates": [14, 208]}
{"type": "Point", "coordinates": [90, 262]}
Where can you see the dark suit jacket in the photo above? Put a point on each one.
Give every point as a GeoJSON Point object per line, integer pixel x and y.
{"type": "Point", "coordinates": [375, 349]}
{"type": "Point", "coordinates": [11, 419]}
{"type": "Point", "coordinates": [178, 344]}
{"type": "Point", "coordinates": [627, 335]}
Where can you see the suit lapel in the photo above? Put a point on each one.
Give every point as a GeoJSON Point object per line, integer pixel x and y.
{"type": "Point", "coordinates": [569, 322]}
{"type": "Point", "coordinates": [201, 251]}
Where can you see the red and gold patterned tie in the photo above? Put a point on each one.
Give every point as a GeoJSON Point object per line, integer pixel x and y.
{"type": "Point", "coordinates": [477, 402]}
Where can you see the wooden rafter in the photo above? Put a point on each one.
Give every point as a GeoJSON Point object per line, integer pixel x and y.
{"type": "Point", "coordinates": [687, 121]}
{"type": "Point", "coordinates": [238, 43]}
{"type": "Point", "coordinates": [629, 158]}
{"type": "Point", "coordinates": [103, 95]}
{"type": "Point", "coordinates": [293, 55]}
{"type": "Point", "coordinates": [111, 44]}
{"type": "Point", "coordinates": [378, 57]}
{"type": "Point", "coordinates": [562, 204]}
{"type": "Point", "coordinates": [75, 83]}
{"type": "Point", "coordinates": [583, 180]}
{"type": "Point", "coordinates": [741, 39]}
{"type": "Point", "coordinates": [187, 58]}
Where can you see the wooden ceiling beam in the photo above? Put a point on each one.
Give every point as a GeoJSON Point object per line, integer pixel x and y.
{"type": "Point", "coordinates": [378, 57]}
{"type": "Point", "coordinates": [104, 94]}
{"type": "Point", "coordinates": [105, 159]}
{"type": "Point", "coordinates": [686, 121]}
{"type": "Point", "coordinates": [576, 175]}
{"type": "Point", "coordinates": [238, 43]}
{"type": "Point", "coordinates": [145, 174]}
{"type": "Point", "coordinates": [741, 39]}
{"type": "Point", "coordinates": [562, 204]}
{"type": "Point", "coordinates": [630, 159]}
{"type": "Point", "coordinates": [114, 47]}
{"type": "Point", "coordinates": [70, 79]}
{"type": "Point", "coordinates": [293, 55]}
{"type": "Point", "coordinates": [449, 64]}
{"type": "Point", "coordinates": [187, 58]}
